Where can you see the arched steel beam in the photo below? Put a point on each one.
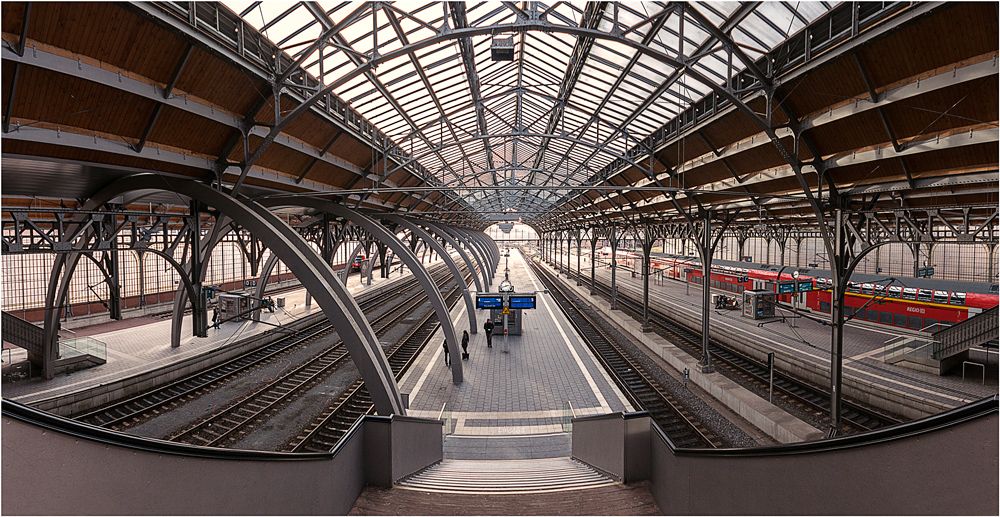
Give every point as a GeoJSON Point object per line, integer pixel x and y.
{"type": "Point", "coordinates": [477, 250]}
{"type": "Point", "coordinates": [291, 248]}
{"type": "Point", "coordinates": [483, 248]}
{"type": "Point", "coordinates": [408, 257]}
{"type": "Point", "coordinates": [442, 232]}
{"type": "Point", "coordinates": [491, 245]}
{"type": "Point", "coordinates": [453, 347]}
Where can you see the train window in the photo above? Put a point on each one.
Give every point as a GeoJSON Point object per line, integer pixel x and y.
{"type": "Point", "coordinates": [848, 310]}
{"type": "Point", "coordinates": [853, 287]}
{"type": "Point", "coordinates": [910, 293]}
{"type": "Point", "coordinates": [899, 320]}
{"type": "Point", "coordinates": [931, 321]}
{"type": "Point", "coordinates": [867, 288]}
{"type": "Point", "coordinates": [940, 296]}
{"type": "Point", "coordinates": [886, 318]}
{"type": "Point", "coordinates": [947, 323]}
{"type": "Point", "coordinates": [916, 322]}
{"type": "Point", "coordinates": [925, 295]}
{"type": "Point", "coordinates": [824, 306]}
{"type": "Point", "coordinates": [879, 290]}
{"type": "Point", "coordinates": [872, 315]}
{"type": "Point", "coordinates": [957, 299]}
{"type": "Point", "coordinates": [895, 292]}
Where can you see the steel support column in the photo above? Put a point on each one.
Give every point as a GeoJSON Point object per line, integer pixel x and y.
{"type": "Point", "coordinates": [705, 249]}
{"type": "Point", "coordinates": [614, 267]}
{"type": "Point", "coordinates": [593, 261]}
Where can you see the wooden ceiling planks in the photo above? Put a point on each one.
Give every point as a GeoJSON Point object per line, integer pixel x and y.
{"type": "Point", "coordinates": [958, 31]}
{"type": "Point", "coordinates": [65, 100]}
{"type": "Point", "coordinates": [206, 77]}
{"type": "Point", "coordinates": [121, 39]}
{"type": "Point", "coordinates": [11, 18]}
{"type": "Point", "coordinates": [181, 129]}
{"type": "Point", "coordinates": [958, 106]}
{"type": "Point", "coordinates": [850, 133]}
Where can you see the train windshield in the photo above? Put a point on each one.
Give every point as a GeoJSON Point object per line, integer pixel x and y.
{"type": "Point", "coordinates": [940, 296]}
{"type": "Point", "coordinates": [910, 293]}
{"type": "Point", "coordinates": [925, 295]}
{"type": "Point", "coordinates": [958, 298]}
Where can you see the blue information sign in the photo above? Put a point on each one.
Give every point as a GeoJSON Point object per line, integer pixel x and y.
{"type": "Point", "coordinates": [522, 302]}
{"type": "Point", "coordinates": [489, 302]}
{"type": "Point", "coordinates": [805, 286]}
{"type": "Point", "coordinates": [786, 288]}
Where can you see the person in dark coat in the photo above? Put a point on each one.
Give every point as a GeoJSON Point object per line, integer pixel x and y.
{"type": "Point", "coordinates": [215, 317]}
{"type": "Point", "coordinates": [465, 344]}
{"type": "Point", "coordinates": [447, 356]}
{"type": "Point", "coordinates": [488, 327]}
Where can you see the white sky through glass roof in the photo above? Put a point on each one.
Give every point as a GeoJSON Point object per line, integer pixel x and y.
{"type": "Point", "coordinates": [548, 127]}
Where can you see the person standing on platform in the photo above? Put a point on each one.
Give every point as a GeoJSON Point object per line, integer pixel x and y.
{"type": "Point", "coordinates": [465, 344]}
{"type": "Point", "coordinates": [215, 317]}
{"type": "Point", "coordinates": [488, 327]}
{"type": "Point", "coordinates": [447, 356]}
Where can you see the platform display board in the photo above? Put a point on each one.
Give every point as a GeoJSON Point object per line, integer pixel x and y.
{"type": "Point", "coordinates": [786, 287]}
{"type": "Point", "coordinates": [489, 302]}
{"type": "Point", "coordinates": [522, 301]}
{"type": "Point", "coordinates": [805, 286]}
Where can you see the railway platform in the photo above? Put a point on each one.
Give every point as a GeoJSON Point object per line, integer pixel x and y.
{"type": "Point", "coordinates": [804, 343]}
{"type": "Point", "coordinates": [139, 346]}
{"type": "Point", "coordinates": [516, 396]}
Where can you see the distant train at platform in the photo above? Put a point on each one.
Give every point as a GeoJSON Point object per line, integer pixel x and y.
{"type": "Point", "coordinates": [913, 303]}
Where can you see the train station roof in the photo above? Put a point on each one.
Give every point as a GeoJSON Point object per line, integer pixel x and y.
{"type": "Point", "coordinates": [561, 114]}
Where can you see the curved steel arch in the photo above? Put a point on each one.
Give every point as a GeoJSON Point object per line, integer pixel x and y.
{"type": "Point", "coordinates": [336, 303]}
{"type": "Point", "coordinates": [490, 245]}
{"type": "Point", "coordinates": [440, 231]}
{"type": "Point", "coordinates": [477, 249]}
{"type": "Point", "coordinates": [484, 250]}
{"type": "Point", "coordinates": [408, 257]}
{"type": "Point", "coordinates": [456, 366]}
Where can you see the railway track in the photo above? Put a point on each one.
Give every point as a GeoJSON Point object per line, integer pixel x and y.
{"type": "Point", "coordinates": [227, 426]}
{"type": "Point", "coordinates": [124, 413]}
{"type": "Point", "coordinates": [327, 429]}
{"type": "Point", "coordinates": [641, 389]}
{"type": "Point", "coordinates": [804, 395]}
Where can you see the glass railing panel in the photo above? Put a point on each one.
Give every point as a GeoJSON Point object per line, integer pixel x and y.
{"type": "Point", "coordinates": [82, 346]}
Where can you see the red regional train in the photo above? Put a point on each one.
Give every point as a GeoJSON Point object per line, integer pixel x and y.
{"type": "Point", "coordinates": [913, 303]}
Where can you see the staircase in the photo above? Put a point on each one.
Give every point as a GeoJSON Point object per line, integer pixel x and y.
{"type": "Point", "coordinates": [506, 477]}
{"type": "Point", "coordinates": [22, 333]}
{"type": "Point", "coordinates": [974, 331]}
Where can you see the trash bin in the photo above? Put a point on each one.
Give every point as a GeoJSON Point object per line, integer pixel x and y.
{"type": "Point", "coordinates": [280, 301]}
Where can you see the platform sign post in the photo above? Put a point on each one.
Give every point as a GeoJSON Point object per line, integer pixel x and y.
{"type": "Point", "coordinates": [770, 376]}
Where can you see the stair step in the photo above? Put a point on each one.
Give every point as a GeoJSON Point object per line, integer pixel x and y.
{"type": "Point", "coordinates": [520, 476]}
